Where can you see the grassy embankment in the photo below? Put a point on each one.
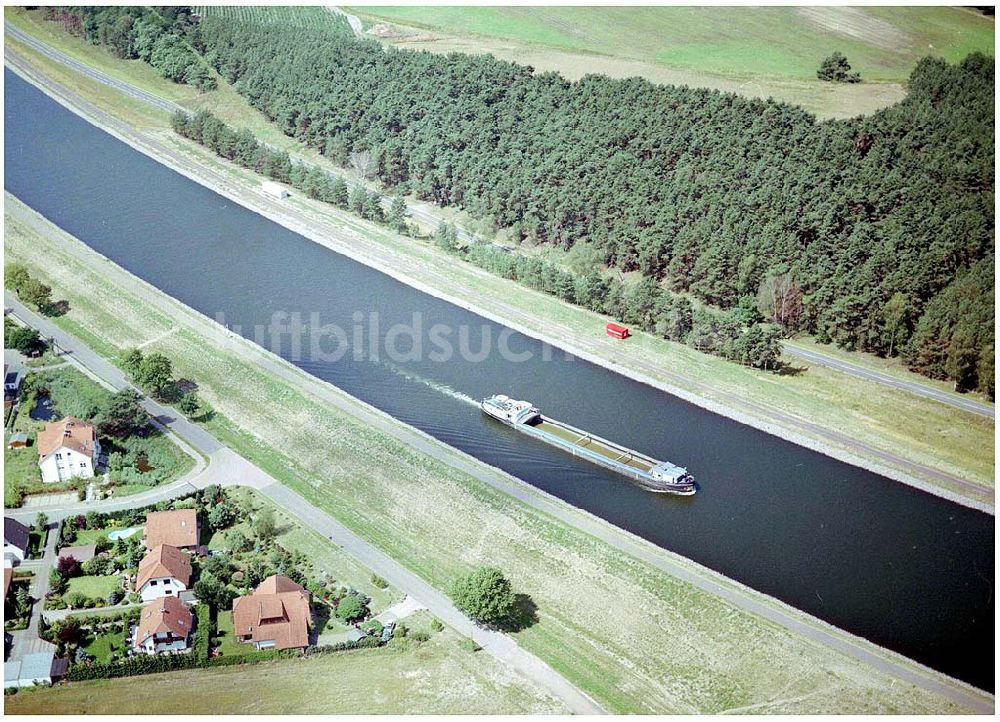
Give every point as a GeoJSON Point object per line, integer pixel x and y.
{"type": "Point", "coordinates": [668, 647]}
{"type": "Point", "coordinates": [760, 52]}
{"type": "Point", "coordinates": [892, 421]}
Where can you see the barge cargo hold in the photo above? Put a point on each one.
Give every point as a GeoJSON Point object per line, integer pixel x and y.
{"type": "Point", "coordinates": [648, 473]}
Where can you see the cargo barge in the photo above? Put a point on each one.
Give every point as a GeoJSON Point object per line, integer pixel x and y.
{"type": "Point", "coordinates": [648, 473]}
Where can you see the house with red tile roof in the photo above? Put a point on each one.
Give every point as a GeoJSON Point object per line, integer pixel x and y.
{"type": "Point", "coordinates": [165, 625]}
{"type": "Point", "coordinates": [163, 572]}
{"type": "Point", "coordinates": [276, 616]}
{"type": "Point", "coordinates": [67, 449]}
{"type": "Point", "coordinates": [178, 528]}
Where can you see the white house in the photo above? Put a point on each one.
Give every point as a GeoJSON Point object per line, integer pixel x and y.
{"type": "Point", "coordinates": [274, 190]}
{"type": "Point", "coordinates": [164, 572]}
{"type": "Point", "coordinates": [68, 449]}
{"type": "Point", "coordinates": [164, 626]}
{"type": "Point", "coordinates": [15, 541]}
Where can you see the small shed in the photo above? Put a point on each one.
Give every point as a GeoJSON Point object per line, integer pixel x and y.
{"type": "Point", "coordinates": [275, 190]}
{"type": "Point", "coordinates": [615, 330]}
{"type": "Point", "coordinates": [32, 669]}
{"type": "Point", "coordinates": [17, 441]}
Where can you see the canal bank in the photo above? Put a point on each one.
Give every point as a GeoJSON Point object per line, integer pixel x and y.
{"type": "Point", "coordinates": [82, 271]}
{"type": "Point", "coordinates": [854, 527]}
{"type": "Point", "coordinates": [808, 425]}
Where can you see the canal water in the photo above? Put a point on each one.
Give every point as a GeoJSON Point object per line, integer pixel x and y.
{"type": "Point", "coordinates": [902, 568]}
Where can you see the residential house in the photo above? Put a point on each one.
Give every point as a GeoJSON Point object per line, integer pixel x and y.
{"type": "Point", "coordinates": [177, 528]}
{"type": "Point", "coordinates": [66, 449]}
{"type": "Point", "coordinates": [16, 540]}
{"type": "Point", "coordinates": [275, 616]}
{"type": "Point", "coordinates": [164, 572]}
{"type": "Point", "coordinates": [165, 625]}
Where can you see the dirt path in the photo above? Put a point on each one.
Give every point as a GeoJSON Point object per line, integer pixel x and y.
{"type": "Point", "coordinates": [352, 20]}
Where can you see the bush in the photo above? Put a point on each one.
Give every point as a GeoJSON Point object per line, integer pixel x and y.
{"type": "Point", "coordinates": [352, 607]}
{"type": "Point", "coordinates": [436, 625]}
{"type": "Point", "coordinates": [202, 632]}
{"type": "Point", "coordinates": [379, 582]}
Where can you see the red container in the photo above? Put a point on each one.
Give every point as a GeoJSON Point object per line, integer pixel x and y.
{"type": "Point", "coordinates": [617, 331]}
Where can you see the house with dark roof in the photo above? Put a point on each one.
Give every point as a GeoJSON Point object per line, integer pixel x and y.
{"type": "Point", "coordinates": [15, 540]}
{"type": "Point", "coordinates": [163, 572]}
{"type": "Point", "coordinates": [165, 625]}
{"type": "Point", "coordinates": [276, 616]}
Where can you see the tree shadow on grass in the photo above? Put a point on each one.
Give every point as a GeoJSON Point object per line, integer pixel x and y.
{"type": "Point", "coordinates": [786, 369]}
{"type": "Point", "coordinates": [525, 615]}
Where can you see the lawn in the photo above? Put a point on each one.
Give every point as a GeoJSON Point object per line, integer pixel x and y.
{"type": "Point", "coordinates": [92, 536]}
{"type": "Point", "coordinates": [20, 469]}
{"type": "Point", "coordinates": [106, 642]}
{"type": "Point", "coordinates": [720, 656]}
{"type": "Point", "coordinates": [436, 677]}
{"type": "Point", "coordinates": [227, 643]}
{"type": "Point", "coordinates": [94, 587]}
{"type": "Point", "coordinates": [778, 43]}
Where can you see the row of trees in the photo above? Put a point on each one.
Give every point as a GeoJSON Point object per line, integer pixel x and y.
{"type": "Point", "coordinates": [28, 288]}
{"type": "Point", "coordinates": [739, 334]}
{"type": "Point", "coordinates": [712, 193]}
{"type": "Point", "coordinates": [240, 146]}
{"type": "Point", "coordinates": [154, 35]}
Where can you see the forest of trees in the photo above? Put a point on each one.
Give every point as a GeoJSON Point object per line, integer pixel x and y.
{"type": "Point", "coordinates": [741, 334]}
{"type": "Point", "coordinates": [155, 35]}
{"type": "Point", "coordinates": [875, 233]}
{"type": "Point", "coordinates": [882, 225]}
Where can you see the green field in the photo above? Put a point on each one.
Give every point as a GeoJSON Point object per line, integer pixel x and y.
{"type": "Point", "coordinates": [299, 16]}
{"type": "Point", "coordinates": [773, 42]}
